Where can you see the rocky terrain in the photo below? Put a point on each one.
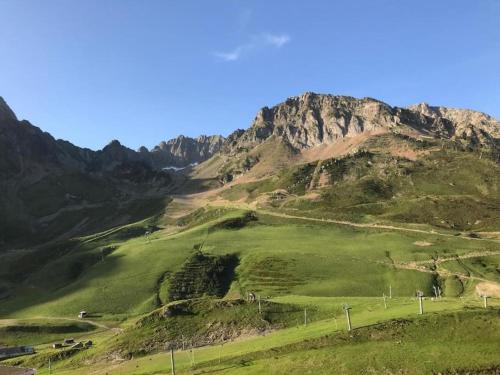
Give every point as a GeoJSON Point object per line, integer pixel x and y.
{"type": "Point", "coordinates": [183, 151]}
{"type": "Point", "coordinates": [312, 119]}
{"type": "Point", "coordinates": [316, 126]}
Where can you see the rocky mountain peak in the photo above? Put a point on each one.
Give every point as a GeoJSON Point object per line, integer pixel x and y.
{"type": "Point", "coordinates": [114, 144]}
{"type": "Point", "coordinates": [312, 119]}
{"type": "Point", "coordinates": [5, 112]}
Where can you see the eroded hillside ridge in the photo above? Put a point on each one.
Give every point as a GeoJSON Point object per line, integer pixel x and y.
{"type": "Point", "coordinates": [313, 119]}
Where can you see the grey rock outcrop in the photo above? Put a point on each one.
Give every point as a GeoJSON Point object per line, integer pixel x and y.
{"type": "Point", "coordinates": [313, 119]}
{"type": "Point", "coordinates": [183, 151]}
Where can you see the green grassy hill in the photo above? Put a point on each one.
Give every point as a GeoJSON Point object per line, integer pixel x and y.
{"type": "Point", "coordinates": [315, 236]}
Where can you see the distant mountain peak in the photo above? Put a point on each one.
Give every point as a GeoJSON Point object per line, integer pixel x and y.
{"type": "Point", "coordinates": [183, 150]}
{"type": "Point", "coordinates": [312, 119]}
{"type": "Point", "coordinates": [6, 113]}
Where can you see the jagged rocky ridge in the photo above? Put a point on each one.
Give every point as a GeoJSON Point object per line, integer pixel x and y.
{"type": "Point", "coordinates": [313, 119]}
{"type": "Point", "coordinates": [183, 151]}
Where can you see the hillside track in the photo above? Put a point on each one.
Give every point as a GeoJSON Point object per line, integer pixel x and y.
{"type": "Point", "coordinates": [373, 226]}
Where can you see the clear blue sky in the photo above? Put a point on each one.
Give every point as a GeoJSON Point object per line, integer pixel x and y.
{"type": "Point", "coordinates": [144, 71]}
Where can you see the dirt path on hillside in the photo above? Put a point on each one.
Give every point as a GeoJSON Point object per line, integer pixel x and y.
{"type": "Point", "coordinates": [92, 322]}
{"type": "Point", "coordinates": [475, 254]}
{"type": "Point", "coordinates": [211, 198]}
{"type": "Point", "coordinates": [418, 266]}
{"type": "Point", "coordinates": [374, 226]}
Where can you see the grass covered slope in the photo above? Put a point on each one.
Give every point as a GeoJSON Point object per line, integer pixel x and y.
{"type": "Point", "coordinates": [444, 187]}
{"type": "Point", "coordinates": [277, 256]}
{"type": "Point", "coordinates": [39, 331]}
{"type": "Point", "coordinates": [463, 342]}
{"type": "Point", "coordinates": [386, 339]}
{"type": "Point", "coordinates": [305, 241]}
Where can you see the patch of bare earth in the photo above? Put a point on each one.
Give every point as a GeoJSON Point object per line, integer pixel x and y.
{"type": "Point", "coordinates": [422, 243]}
{"type": "Point", "coordinates": [342, 147]}
{"type": "Point", "coordinates": [488, 288]}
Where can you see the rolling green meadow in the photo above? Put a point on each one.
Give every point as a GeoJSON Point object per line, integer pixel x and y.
{"type": "Point", "coordinates": [293, 265]}
{"type": "Point", "coordinates": [254, 276]}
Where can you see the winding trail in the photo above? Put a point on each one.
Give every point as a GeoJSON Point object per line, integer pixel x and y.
{"type": "Point", "coordinates": [373, 226]}
{"type": "Point", "coordinates": [418, 266]}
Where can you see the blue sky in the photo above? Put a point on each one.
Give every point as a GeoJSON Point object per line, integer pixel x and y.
{"type": "Point", "coordinates": [144, 71]}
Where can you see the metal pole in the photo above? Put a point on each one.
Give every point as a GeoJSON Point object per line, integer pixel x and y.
{"type": "Point", "coordinates": [50, 368]}
{"type": "Point", "coordinates": [385, 302]}
{"type": "Point", "coordinates": [260, 309]}
{"type": "Point", "coordinates": [390, 291]}
{"type": "Point", "coordinates": [305, 317]}
{"type": "Point", "coordinates": [421, 304]}
{"type": "Point", "coordinates": [349, 326]}
{"type": "Point", "coordinates": [485, 299]}
{"type": "Point", "coordinates": [172, 360]}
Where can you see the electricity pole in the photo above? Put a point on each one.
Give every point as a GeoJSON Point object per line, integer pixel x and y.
{"type": "Point", "coordinates": [420, 296]}
{"type": "Point", "coordinates": [385, 302]}
{"type": "Point", "coordinates": [305, 317]}
{"type": "Point", "coordinates": [172, 359]}
{"type": "Point", "coordinates": [485, 301]}
{"type": "Point", "coordinates": [390, 291]}
{"type": "Point", "coordinates": [347, 309]}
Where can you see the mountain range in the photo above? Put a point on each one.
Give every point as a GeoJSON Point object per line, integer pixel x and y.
{"type": "Point", "coordinates": [84, 190]}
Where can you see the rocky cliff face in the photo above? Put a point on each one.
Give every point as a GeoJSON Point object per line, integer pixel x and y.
{"type": "Point", "coordinates": [478, 127]}
{"type": "Point", "coordinates": [183, 151]}
{"type": "Point", "coordinates": [312, 119]}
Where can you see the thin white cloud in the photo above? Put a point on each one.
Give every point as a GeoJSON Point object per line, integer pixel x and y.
{"type": "Point", "coordinates": [258, 41]}
{"type": "Point", "coordinates": [231, 55]}
{"type": "Point", "coordinates": [277, 40]}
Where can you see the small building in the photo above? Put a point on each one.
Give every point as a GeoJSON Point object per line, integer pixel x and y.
{"type": "Point", "coordinates": [83, 314]}
{"type": "Point", "coordinates": [78, 345]}
{"type": "Point", "coordinates": [57, 345]}
{"type": "Point", "coordinates": [10, 370]}
{"type": "Point", "coordinates": [69, 341]}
